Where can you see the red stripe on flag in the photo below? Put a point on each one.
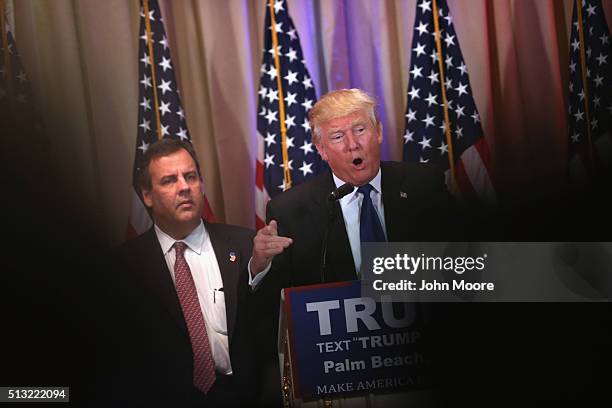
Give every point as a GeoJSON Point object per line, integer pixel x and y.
{"type": "Point", "coordinates": [207, 212]}
{"type": "Point", "coordinates": [259, 175]}
{"type": "Point", "coordinates": [259, 184]}
{"type": "Point", "coordinates": [259, 223]}
{"type": "Point", "coordinates": [463, 182]}
{"type": "Point", "coordinates": [485, 156]}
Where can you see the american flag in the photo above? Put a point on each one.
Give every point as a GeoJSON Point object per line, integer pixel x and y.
{"type": "Point", "coordinates": [19, 113]}
{"type": "Point", "coordinates": [16, 91]}
{"type": "Point", "coordinates": [425, 136]}
{"type": "Point", "coordinates": [160, 113]}
{"type": "Point", "coordinates": [590, 91]}
{"type": "Point", "coordinates": [283, 62]}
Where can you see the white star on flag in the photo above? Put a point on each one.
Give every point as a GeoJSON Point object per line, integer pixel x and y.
{"type": "Point", "coordinates": [425, 116]}
{"type": "Point", "coordinates": [298, 96]}
{"type": "Point", "coordinates": [590, 123]}
{"type": "Point", "coordinates": [151, 127]}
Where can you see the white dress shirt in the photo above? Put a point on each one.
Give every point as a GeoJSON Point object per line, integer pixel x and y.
{"type": "Point", "coordinates": [351, 211]}
{"type": "Point", "coordinates": [202, 262]}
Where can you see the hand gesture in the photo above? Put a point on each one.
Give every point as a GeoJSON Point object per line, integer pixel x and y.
{"type": "Point", "coordinates": [266, 244]}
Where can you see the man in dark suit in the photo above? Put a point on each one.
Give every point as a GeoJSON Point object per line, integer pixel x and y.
{"type": "Point", "coordinates": [392, 202]}
{"type": "Point", "coordinates": [181, 333]}
{"type": "Point", "coordinates": [415, 206]}
{"type": "Point", "coordinates": [408, 201]}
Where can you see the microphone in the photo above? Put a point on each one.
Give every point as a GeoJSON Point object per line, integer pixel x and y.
{"type": "Point", "coordinates": [332, 198]}
{"type": "Point", "coordinates": [340, 192]}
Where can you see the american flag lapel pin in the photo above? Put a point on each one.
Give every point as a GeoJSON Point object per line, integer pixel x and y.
{"type": "Point", "coordinates": [232, 256]}
{"type": "Point", "coordinates": [403, 194]}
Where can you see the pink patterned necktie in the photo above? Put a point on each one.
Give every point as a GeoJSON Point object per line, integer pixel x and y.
{"type": "Point", "coordinates": [203, 364]}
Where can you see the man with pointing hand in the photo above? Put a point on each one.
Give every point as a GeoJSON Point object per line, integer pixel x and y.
{"type": "Point", "coordinates": [391, 201]}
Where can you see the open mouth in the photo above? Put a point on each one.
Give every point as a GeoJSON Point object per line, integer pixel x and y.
{"type": "Point", "coordinates": [357, 161]}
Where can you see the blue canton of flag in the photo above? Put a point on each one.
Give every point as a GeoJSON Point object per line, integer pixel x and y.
{"type": "Point", "coordinates": [425, 128]}
{"type": "Point", "coordinates": [16, 94]}
{"type": "Point", "coordinates": [590, 110]}
{"type": "Point", "coordinates": [18, 82]}
{"type": "Point", "coordinates": [19, 113]}
{"type": "Point", "coordinates": [298, 96]}
{"type": "Point", "coordinates": [158, 93]}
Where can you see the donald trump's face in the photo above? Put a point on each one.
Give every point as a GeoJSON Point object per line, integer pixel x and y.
{"type": "Point", "coordinates": [351, 146]}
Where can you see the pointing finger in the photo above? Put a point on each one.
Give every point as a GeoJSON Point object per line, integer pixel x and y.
{"type": "Point", "coordinates": [272, 227]}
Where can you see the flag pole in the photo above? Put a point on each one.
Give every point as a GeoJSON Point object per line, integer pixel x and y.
{"type": "Point", "coordinates": [145, 8]}
{"type": "Point", "coordinates": [585, 87]}
{"type": "Point", "coordinates": [449, 141]}
{"type": "Point", "coordinates": [281, 100]}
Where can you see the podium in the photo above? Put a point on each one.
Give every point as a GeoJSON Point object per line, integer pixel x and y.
{"type": "Point", "coordinates": [339, 349]}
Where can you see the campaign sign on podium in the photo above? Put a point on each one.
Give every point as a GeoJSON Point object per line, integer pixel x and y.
{"type": "Point", "coordinates": [334, 342]}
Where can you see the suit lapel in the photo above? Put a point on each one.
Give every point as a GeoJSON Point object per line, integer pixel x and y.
{"type": "Point", "coordinates": [159, 280]}
{"type": "Point", "coordinates": [228, 258]}
{"type": "Point", "coordinates": [399, 202]}
{"type": "Point", "coordinates": [318, 211]}
{"type": "Point", "coordinates": [340, 263]}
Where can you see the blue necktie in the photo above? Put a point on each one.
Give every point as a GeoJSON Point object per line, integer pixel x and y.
{"type": "Point", "coordinates": [370, 229]}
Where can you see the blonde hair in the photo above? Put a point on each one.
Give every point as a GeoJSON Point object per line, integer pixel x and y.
{"type": "Point", "coordinates": [337, 104]}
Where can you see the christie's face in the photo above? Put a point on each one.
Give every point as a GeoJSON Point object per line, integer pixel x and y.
{"type": "Point", "coordinates": [351, 147]}
{"type": "Point", "coordinates": [175, 197]}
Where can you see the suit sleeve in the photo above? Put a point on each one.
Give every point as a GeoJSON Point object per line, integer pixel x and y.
{"type": "Point", "coordinates": [263, 311]}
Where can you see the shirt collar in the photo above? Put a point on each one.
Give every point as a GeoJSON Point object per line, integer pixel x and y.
{"type": "Point", "coordinates": [195, 240]}
{"type": "Point", "coordinates": [375, 182]}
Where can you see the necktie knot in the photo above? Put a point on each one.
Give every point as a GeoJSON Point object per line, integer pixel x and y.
{"type": "Point", "coordinates": [365, 189]}
{"type": "Point", "coordinates": [180, 247]}
{"type": "Point", "coordinates": [370, 228]}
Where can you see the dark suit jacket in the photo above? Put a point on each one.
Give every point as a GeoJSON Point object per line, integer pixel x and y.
{"type": "Point", "coordinates": [150, 344]}
{"type": "Point", "coordinates": [417, 206]}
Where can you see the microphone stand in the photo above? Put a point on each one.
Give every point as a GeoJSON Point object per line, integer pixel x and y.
{"type": "Point", "coordinates": [331, 216]}
{"type": "Point", "coordinates": [332, 213]}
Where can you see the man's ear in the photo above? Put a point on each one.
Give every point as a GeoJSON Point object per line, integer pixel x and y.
{"type": "Point", "coordinates": [146, 197]}
{"type": "Point", "coordinates": [379, 137]}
